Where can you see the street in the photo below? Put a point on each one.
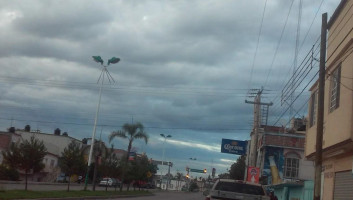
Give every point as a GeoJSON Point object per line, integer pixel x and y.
{"type": "Point", "coordinates": [170, 196]}
{"type": "Point", "coordinates": [35, 186]}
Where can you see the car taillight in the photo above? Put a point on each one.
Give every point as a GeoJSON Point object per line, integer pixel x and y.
{"type": "Point", "coordinates": [208, 198]}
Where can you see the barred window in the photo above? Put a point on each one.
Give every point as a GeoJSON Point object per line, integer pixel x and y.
{"type": "Point", "coordinates": [313, 108]}
{"type": "Point", "coordinates": [291, 166]}
{"type": "Point", "coordinates": [335, 88]}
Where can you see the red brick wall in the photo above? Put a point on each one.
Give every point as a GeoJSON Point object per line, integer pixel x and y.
{"type": "Point", "coordinates": [4, 141]}
{"type": "Point", "coordinates": [284, 141]}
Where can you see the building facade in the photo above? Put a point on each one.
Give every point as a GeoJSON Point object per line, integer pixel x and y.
{"type": "Point", "coordinates": [281, 156]}
{"type": "Point", "coordinates": [337, 178]}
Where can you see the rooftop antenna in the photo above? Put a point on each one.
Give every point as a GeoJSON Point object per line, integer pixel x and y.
{"type": "Point", "coordinates": [104, 73]}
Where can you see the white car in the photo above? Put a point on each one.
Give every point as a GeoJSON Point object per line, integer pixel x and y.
{"type": "Point", "coordinates": [108, 182]}
{"type": "Point", "coordinates": [234, 189]}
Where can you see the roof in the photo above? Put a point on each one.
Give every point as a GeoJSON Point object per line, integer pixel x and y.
{"type": "Point", "coordinates": [336, 13]}
{"type": "Point", "coordinates": [288, 184]}
{"type": "Point", "coordinates": [5, 140]}
{"type": "Point", "coordinates": [119, 151]}
{"type": "Point", "coordinates": [49, 134]}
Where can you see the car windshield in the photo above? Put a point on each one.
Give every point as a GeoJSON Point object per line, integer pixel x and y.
{"type": "Point", "coordinates": [240, 188]}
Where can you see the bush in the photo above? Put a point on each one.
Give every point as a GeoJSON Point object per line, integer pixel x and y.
{"type": "Point", "coordinates": [193, 187]}
{"type": "Point", "coordinates": [9, 174]}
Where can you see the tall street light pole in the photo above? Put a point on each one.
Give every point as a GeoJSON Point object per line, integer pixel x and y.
{"type": "Point", "coordinates": [165, 139]}
{"type": "Point", "coordinates": [104, 73]}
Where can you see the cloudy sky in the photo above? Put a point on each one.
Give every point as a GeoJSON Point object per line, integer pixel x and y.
{"type": "Point", "coordinates": [186, 69]}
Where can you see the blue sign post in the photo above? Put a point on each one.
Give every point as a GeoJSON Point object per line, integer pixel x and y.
{"type": "Point", "coordinates": [234, 146]}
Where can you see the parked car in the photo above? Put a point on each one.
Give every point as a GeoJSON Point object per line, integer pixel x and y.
{"type": "Point", "coordinates": [234, 189]}
{"type": "Point", "coordinates": [148, 186]}
{"type": "Point", "coordinates": [111, 182]}
{"type": "Point", "coordinates": [62, 178]}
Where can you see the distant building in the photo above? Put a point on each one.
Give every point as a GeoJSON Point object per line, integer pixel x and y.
{"type": "Point", "coordinates": [55, 144]}
{"type": "Point", "coordinates": [282, 152]}
{"type": "Point", "coordinates": [281, 159]}
{"type": "Point", "coordinates": [6, 138]}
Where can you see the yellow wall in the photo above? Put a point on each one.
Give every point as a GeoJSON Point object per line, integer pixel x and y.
{"type": "Point", "coordinates": [330, 167]}
{"type": "Point", "coordinates": [337, 124]}
{"type": "Point", "coordinates": [338, 32]}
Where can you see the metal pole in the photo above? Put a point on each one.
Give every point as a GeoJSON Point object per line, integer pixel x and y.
{"type": "Point", "coordinates": [168, 175]}
{"type": "Point", "coordinates": [320, 111]}
{"type": "Point", "coordinates": [94, 129]}
{"type": "Point", "coordinates": [163, 160]}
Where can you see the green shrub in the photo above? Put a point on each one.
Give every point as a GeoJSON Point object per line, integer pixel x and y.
{"type": "Point", "coordinates": [9, 174]}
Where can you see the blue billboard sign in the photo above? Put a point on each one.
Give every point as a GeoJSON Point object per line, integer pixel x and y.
{"type": "Point", "coordinates": [234, 146]}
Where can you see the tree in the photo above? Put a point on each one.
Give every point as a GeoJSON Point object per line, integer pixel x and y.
{"type": "Point", "coordinates": [11, 156]}
{"type": "Point", "coordinates": [8, 173]}
{"type": "Point", "coordinates": [130, 132]}
{"type": "Point", "coordinates": [32, 153]}
{"type": "Point", "coordinates": [110, 165]}
{"type": "Point", "coordinates": [237, 169]}
{"type": "Point", "coordinates": [224, 175]}
{"type": "Point", "coordinates": [99, 151]}
{"type": "Point", "coordinates": [178, 177]}
{"type": "Point", "coordinates": [193, 186]}
{"type": "Point", "coordinates": [27, 156]}
{"type": "Point", "coordinates": [72, 160]}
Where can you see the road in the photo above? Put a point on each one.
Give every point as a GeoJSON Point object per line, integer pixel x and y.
{"type": "Point", "coordinates": [169, 196]}
{"type": "Point", "coordinates": [35, 186]}
{"type": "Point", "coordinates": [162, 195]}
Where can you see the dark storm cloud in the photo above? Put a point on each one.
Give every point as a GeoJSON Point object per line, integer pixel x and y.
{"type": "Point", "coordinates": [185, 68]}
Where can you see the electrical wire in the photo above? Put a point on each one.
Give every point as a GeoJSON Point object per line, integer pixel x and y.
{"type": "Point", "coordinates": [257, 45]}
{"type": "Point", "coordinates": [278, 43]}
{"type": "Point", "coordinates": [295, 99]}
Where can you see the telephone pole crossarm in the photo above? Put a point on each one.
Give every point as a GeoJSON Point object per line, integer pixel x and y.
{"type": "Point", "coordinates": [259, 103]}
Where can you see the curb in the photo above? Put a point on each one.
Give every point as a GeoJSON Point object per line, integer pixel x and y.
{"type": "Point", "coordinates": [92, 197]}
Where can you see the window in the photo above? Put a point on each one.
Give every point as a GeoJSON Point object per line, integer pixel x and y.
{"type": "Point", "coordinates": [335, 88]}
{"type": "Point", "coordinates": [313, 108]}
{"type": "Point", "coordinates": [239, 188]}
{"type": "Point", "coordinates": [291, 166]}
{"type": "Point", "coordinates": [52, 163]}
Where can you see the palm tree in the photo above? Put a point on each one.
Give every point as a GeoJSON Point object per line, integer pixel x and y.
{"type": "Point", "coordinates": [130, 132]}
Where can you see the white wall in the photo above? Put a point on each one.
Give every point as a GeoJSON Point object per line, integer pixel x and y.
{"type": "Point", "coordinates": [55, 144]}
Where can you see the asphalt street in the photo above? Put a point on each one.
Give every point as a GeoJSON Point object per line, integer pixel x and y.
{"type": "Point", "coordinates": [40, 187]}
{"type": "Point", "coordinates": [169, 196]}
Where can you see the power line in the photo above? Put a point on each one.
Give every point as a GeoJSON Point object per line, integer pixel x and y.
{"type": "Point", "coordinates": [279, 42]}
{"type": "Point", "coordinates": [307, 33]}
{"type": "Point", "coordinates": [257, 45]}
{"type": "Point", "coordinates": [115, 126]}
{"type": "Point", "coordinates": [295, 98]}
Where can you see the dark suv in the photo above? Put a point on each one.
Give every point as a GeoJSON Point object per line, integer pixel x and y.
{"type": "Point", "coordinates": [227, 189]}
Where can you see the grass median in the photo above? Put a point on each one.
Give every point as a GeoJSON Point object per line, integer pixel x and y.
{"type": "Point", "coordinates": [21, 194]}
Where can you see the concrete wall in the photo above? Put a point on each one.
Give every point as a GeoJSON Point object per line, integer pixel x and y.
{"type": "Point", "coordinates": [305, 192]}
{"type": "Point", "coordinates": [330, 167]}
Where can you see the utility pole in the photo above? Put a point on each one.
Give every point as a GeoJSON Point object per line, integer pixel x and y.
{"type": "Point", "coordinates": [257, 108]}
{"type": "Point", "coordinates": [320, 111]}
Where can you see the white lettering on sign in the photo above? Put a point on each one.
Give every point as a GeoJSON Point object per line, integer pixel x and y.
{"type": "Point", "coordinates": [231, 147]}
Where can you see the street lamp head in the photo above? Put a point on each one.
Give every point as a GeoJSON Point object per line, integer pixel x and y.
{"type": "Point", "coordinates": [162, 135]}
{"type": "Point", "coordinates": [169, 136]}
{"type": "Point", "coordinates": [113, 60]}
{"type": "Point", "coordinates": [98, 59]}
